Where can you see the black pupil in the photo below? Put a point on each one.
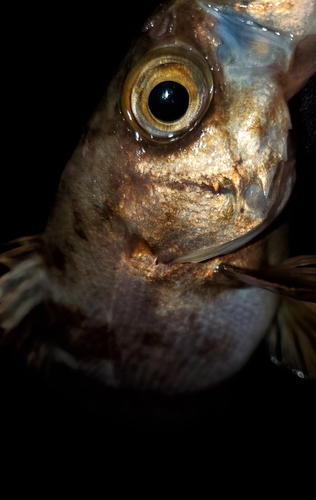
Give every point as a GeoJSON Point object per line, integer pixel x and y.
{"type": "Point", "coordinates": [168, 101]}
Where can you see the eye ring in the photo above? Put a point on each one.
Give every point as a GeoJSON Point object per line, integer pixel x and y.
{"type": "Point", "coordinates": [183, 75]}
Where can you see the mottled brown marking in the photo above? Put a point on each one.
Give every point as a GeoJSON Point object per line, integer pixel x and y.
{"type": "Point", "coordinates": [105, 211]}
{"type": "Point", "coordinates": [58, 259]}
{"type": "Point", "coordinates": [79, 225]}
{"type": "Point", "coordinates": [81, 336]}
{"type": "Point", "coordinates": [152, 339]}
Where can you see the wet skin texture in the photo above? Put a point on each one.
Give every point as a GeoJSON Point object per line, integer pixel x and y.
{"type": "Point", "coordinates": [133, 248]}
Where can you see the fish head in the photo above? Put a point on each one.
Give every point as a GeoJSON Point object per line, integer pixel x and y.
{"type": "Point", "coordinates": [204, 175]}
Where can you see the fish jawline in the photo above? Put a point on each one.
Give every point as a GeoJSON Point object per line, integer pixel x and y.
{"type": "Point", "coordinates": [223, 248]}
{"type": "Point", "coordinates": [287, 180]}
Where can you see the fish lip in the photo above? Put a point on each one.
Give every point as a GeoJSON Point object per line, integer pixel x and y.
{"type": "Point", "coordinates": [183, 184]}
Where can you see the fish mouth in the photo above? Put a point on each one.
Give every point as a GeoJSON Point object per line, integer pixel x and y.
{"type": "Point", "coordinates": [203, 186]}
{"type": "Point", "coordinates": [276, 200]}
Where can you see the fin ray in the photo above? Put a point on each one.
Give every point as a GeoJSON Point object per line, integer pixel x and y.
{"type": "Point", "coordinates": [294, 277]}
{"type": "Point", "coordinates": [24, 285]}
{"type": "Point", "coordinates": [292, 341]}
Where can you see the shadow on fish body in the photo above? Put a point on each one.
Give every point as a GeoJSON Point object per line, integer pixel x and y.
{"type": "Point", "coordinates": [161, 268]}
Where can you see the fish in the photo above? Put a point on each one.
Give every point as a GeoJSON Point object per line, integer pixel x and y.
{"type": "Point", "coordinates": [165, 259]}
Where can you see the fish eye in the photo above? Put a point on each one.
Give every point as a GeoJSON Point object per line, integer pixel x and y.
{"type": "Point", "coordinates": [167, 93]}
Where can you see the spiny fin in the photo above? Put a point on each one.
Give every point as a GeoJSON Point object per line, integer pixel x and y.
{"type": "Point", "coordinates": [294, 277]}
{"type": "Point", "coordinates": [24, 285]}
{"type": "Point", "coordinates": [292, 340]}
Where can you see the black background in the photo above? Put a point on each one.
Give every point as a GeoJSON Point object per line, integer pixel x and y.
{"type": "Point", "coordinates": [56, 66]}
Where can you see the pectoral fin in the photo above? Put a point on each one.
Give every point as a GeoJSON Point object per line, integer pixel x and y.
{"type": "Point", "coordinates": [24, 285]}
{"type": "Point", "coordinates": [295, 277]}
{"type": "Point", "coordinates": [292, 341]}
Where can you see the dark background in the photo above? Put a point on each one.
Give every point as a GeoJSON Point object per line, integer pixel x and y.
{"type": "Point", "coordinates": [56, 67]}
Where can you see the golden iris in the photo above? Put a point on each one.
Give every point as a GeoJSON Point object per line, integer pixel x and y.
{"type": "Point", "coordinates": [167, 92]}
